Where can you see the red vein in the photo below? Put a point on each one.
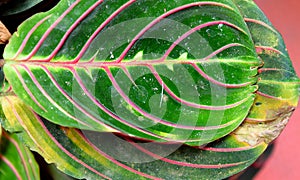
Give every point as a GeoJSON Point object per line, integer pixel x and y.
{"type": "Point", "coordinates": [46, 34]}
{"type": "Point", "coordinates": [70, 30]}
{"type": "Point", "coordinates": [20, 153]}
{"type": "Point", "coordinates": [191, 104]}
{"type": "Point", "coordinates": [158, 19]}
{"type": "Point", "coordinates": [29, 35]}
{"type": "Point", "coordinates": [185, 164]}
{"type": "Point", "coordinates": [100, 28]}
{"type": "Point", "coordinates": [24, 85]}
{"type": "Point", "coordinates": [11, 166]}
{"type": "Point", "coordinates": [114, 160]}
{"type": "Point", "coordinates": [46, 95]}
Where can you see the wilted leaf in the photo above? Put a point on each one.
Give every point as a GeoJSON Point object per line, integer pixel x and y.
{"type": "Point", "coordinates": [4, 34]}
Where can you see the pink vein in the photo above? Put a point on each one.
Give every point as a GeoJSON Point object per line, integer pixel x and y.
{"type": "Point", "coordinates": [268, 69]}
{"type": "Point", "coordinates": [197, 28]}
{"type": "Point", "coordinates": [20, 153]}
{"type": "Point", "coordinates": [29, 35]}
{"type": "Point", "coordinates": [46, 34]}
{"type": "Point", "coordinates": [100, 28]}
{"type": "Point", "coordinates": [46, 95]}
{"type": "Point", "coordinates": [268, 96]}
{"type": "Point", "coordinates": [27, 89]}
{"type": "Point", "coordinates": [157, 120]}
{"type": "Point", "coordinates": [11, 166]}
{"type": "Point", "coordinates": [203, 74]}
{"type": "Point", "coordinates": [229, 149]}
{"type": "Point", "coordinates": [158, 19]}
{"type": "Point", "coordinates": [185, 164]}
{"type": "Point", "coordinates": [269, 49]}
{"type": "Point", "coordinates": [114, 160]}
{"type": "Point", "coordinates": [260, 23]}
{"type": "Point", "coordinates": [69, 31]}
{"type": "Point", "coordinates": [191, 104]}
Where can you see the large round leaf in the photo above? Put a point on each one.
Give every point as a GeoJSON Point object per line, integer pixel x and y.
{"type": "Point", "coordinates": [167, 71]}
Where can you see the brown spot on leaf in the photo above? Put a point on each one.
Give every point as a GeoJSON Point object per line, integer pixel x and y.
{"type": "Point", "coordinates": [254, 133]}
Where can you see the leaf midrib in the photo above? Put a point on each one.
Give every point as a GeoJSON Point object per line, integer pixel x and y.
{"type": "Point", "coordinates": [128, 63]}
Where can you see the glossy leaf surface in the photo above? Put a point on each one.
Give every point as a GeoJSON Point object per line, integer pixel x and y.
{"type": "Point", "coordinates": [144, 68]}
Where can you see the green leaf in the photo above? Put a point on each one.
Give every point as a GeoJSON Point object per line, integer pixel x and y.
{"type": "Point", "coordinates": [119, 67]}
{"type": "Point", "coordinates": [179, 71]}
{"type": "Point", "coordinates": [94, 155]}
{"type": "Point", "coordinates": [16, 161]}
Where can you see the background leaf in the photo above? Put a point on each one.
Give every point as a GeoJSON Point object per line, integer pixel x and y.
{"type": "Point", "coordinates": [11, 7]}
{"type": "Point", "coordinates": [87, 154]}
{"type": "Point", "coordinates": [16, 161]}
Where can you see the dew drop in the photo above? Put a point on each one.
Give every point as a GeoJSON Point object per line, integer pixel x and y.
{"type": "Point", "coordinates": [140, 118]}
{"type": "Point", "coordinates": [67, 83]}
{"type": "Point", "coordinates": [111, 55]}
{"type": "Point", "coordinates": [220, 26]}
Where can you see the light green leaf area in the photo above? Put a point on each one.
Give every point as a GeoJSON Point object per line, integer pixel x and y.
{"type": "Point", "coordinates": [16, 161]}
{"type": "Point", "coordinates": [180, 71]}
{"type": "Point", "coordinates": [94, 155]}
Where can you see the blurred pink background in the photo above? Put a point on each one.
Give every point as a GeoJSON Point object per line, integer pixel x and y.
{"type": "Point", "coordinates": [284, 163]}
